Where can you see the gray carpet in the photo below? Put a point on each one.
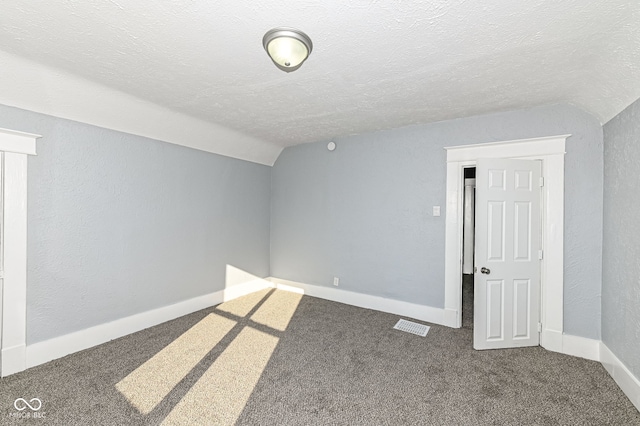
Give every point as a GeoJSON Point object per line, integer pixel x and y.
{"type": "Point", "coordinates": [276, 358]}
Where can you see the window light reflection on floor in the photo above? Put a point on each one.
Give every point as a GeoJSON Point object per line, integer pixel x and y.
{"type": "Point", "coordinates": [220, 394]}
{"type": "Point", "coordinates": [147, 385]}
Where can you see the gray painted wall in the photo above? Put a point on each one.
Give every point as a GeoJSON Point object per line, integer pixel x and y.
{"type": "Point", "coordinates": [363, 212]}
{"type": "Point", "coordinates": [119, 224]}
{"type": "Point", "coordinates": [621, 259]}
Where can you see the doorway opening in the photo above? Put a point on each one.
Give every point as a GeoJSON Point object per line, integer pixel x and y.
{"type": "Point", "coordinates": [551, 151]}
{"type": "Point", "coordinates": [468, 245]}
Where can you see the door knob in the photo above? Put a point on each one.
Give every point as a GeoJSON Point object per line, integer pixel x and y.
{"type": "Point", "coordinates": [485, 270]}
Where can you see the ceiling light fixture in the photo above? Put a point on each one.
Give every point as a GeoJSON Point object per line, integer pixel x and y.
{"type": "Point", "coordinates": [288, 48]}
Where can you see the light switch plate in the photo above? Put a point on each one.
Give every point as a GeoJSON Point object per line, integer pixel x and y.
{"type": "Point", "coordinates": [436, 210]}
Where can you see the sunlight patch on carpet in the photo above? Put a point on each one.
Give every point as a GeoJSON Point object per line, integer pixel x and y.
{"type": "Point", "coordinates": [277, 311]}
{"type": "Point", "coordinates": [243, 305]}
{"type": "Point", "coordinates": [220, 395]}
{"type": "Point", "coordinates": [150, 383]}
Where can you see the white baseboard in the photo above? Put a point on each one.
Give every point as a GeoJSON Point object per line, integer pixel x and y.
{"type": "Point", "coordinates": [629, 384]}
{"type": "Point", "coordinates": [243, 289]}
{"type": "Point", "coordinates": [581, 347]}
{"type": "Point", "coordinates": [13, 360]}
{"type": "Point", "coordinates": [551, 340]}
{"type": "Point", "coordinates": [451, 318]}
{"type": "Point", "coordinates": [57, 347]}
{"type": "Point", "coordinates": [568, 344]}
{"type": "Point", "coordinates": [407, 309]}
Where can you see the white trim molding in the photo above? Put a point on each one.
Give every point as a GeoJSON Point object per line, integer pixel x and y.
{"type": "Point", "coordinates": [519, 148]}
{"type": "Point", "coordinates": [625, 379]}
{"type": "Point", "coordinates": [18, 142]}
{"type": "Point", "coordinates": [577, 346]}
{"type": "Point", "coordinates": [570, 345]}
{"type": "Point", "coordinates": [550, 150]}
{"type": "Point", "coordinates": [42, 352]}
{"type": "Point", "coordinates": [397, 307]}
{"type": "Point", "coordinates": [581, 347]}
{"type": "Point", "coordinates": [35, 87]}
{"type": "Point", "coordinates": [57, 347]}
{"type": "Point", "coordinates": [15, 146]}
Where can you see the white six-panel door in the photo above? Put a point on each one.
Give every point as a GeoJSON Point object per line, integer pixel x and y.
{"type": "Point", "coordinates": [507, 279]}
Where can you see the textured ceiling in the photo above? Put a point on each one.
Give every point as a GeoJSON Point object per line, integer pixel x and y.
{"type": "Point", "coordinates": [375, 64]}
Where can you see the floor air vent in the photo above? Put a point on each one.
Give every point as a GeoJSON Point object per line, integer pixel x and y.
{"type": "Point", "coordinates": [412, 327]}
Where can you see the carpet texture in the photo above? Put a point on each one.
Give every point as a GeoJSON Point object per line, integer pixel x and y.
{"type": "Point", "coordinates": [279, 358]}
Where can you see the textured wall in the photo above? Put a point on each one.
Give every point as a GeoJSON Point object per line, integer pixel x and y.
{"type": "Point", "coordinates": [621, 244]}
{"type": "Point", "coordinates": [120, 224]}
{"type": "Point", "coordinates": [363, 212]}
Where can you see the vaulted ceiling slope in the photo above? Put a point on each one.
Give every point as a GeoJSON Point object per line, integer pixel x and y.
{"type": "Point", "coordinates": [375, 64]}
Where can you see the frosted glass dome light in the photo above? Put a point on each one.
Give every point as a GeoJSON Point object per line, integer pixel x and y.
{"type": "Point", "coordinates": [288, 48]}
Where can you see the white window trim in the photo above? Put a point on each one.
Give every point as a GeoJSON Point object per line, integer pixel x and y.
{"type": "Point", "coordinates": [16, 146]}
{"type": "Point", "coordinates": [551, 151]}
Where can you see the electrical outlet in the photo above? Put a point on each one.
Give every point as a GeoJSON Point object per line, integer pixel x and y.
{"type": "Point", "coordinates": [336, 281]}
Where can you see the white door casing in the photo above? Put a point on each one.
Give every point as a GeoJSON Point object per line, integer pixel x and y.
{"type": "Point", "coordinates": [507, 280]}
{"type": "Point", "coordinates": [15, 147]}
{"type": "Point", "coordinates": [551, 151]}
